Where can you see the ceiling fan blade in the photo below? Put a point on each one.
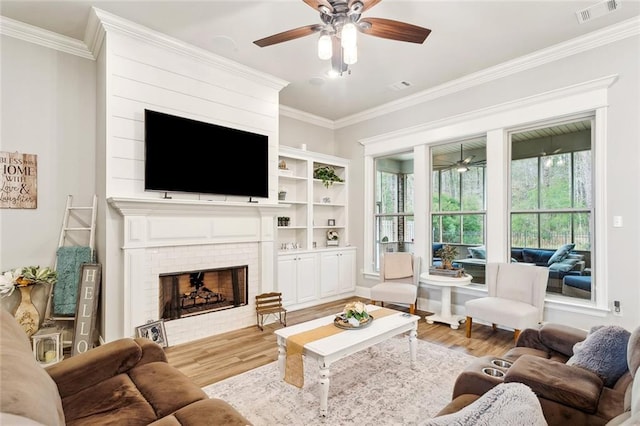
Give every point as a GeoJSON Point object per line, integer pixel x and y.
{"type": "Point", "coordinates": [288, 35]}
{"type": "Point", "coordinates": [315, 4]}
{"type": "Point", "coordinates": [468, 159]}
{"type": "Point", "coordinates": [394, 30]}
{"type": "Point", "coordinates": [367, 4]}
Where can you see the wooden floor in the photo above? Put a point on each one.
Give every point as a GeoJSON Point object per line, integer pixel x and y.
{"type": "Point", "coordinates": [218, 357]}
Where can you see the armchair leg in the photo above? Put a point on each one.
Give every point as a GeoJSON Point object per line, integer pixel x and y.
{"type": "Point", "coordinates": [494, 327]}
{"type": "Point", "coordinates": [516, 334]}
{"type": "Point", "coordinates": [468, 324]}
{"type": "Point", "coordinates": [412, 309]}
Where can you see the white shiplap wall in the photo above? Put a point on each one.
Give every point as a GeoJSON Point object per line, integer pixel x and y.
{"type": "Point", "coordinates": [140, 69]}
{"type": "Point", "coordinates": [143, 75]}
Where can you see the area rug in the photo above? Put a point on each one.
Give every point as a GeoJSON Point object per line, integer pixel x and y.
{"type": "Point", "coordinates": [374, 386]}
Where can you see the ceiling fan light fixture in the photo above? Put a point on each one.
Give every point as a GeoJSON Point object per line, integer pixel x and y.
{"type": "Point", "coordinates": [461, 168]}
{"type": "Point", "coordinates": [333, 73]}
{"type": "Point", "coordinates": [350, 55]}
{"type": "Point", "coordinates": [349, 35]}
{"type": "Point", "coordinates": [324, 47]}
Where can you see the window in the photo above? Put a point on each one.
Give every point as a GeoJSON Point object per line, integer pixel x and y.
{"type": "Point", "coordinates": [551, 203]}
{"type": "Point", "coordinates": [458, 206]}
{"type": "Point", "coordinates": [394, 225]}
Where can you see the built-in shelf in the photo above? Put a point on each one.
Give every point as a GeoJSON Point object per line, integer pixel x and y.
{"type": "Point", "coordinates": [308, 201]}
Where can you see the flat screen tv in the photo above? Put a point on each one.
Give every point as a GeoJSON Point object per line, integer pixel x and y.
{"type": "Point", "coordinates": [184, 155]}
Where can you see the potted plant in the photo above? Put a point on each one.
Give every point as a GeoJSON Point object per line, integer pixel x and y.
{"type": "Point", "coordinates": [327, 175]}
{"type": "Point", "coordinates": [447, 253]}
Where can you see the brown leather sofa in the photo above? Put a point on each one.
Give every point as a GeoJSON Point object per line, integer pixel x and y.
{"type": "Point", "coordinates": [568, 394]}
{"type": "Point", "coordinates": [125, 382]}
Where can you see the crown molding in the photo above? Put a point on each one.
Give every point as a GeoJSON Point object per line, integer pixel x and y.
{"type": "Point", "coordinates": [39, 36]}
{"type": "Point", "coordinates": [592, 40]}
{"type": "Point", "coordinates": [115, 24]}
{"type": "Point", "coordinates": [296, 114]}
{"type": "Point", "coordinates": [100, 21]}
{"type": "Point", "coordinates": [552, 95]}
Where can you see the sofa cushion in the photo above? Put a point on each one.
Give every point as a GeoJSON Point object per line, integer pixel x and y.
{"type": "Point", "coordinates": [538, 256]}
{"type": "Point", "coordinates": [110, 402]}
{"type": "Point", "coordinates": [79, 372]}
{"type": "Point", "coordinates": [555, 381]}
{"type": "Point", "coordinates": [27, 389]}
{"type": "Point", "coordinates": [603, 352]}
{"type": "Point", "coordinates": [158, 382]}
{"type": "Point", "coordinates": [565, 265]}
{"type": "Point", "coordinates": [578, 281]}
{"type": "Point", "coordinates": [215, 411]}
{"type": "Point", "coordinates": [479, 252]}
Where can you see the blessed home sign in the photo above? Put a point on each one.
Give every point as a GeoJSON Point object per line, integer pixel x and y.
{"type": "Point", "coordinates": [18, 185]}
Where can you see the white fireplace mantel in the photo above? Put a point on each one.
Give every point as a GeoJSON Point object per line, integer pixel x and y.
{"type": "Point", "coordinates": [160, 206]}
{"type": "Point", "coordinates": [167, 235]}
{"type": "Point", "coordinates": [168, 222]}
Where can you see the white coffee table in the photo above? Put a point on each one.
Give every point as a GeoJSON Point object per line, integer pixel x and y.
{"type": "Point", "coordinates": [445, 283]}
{"type": "Point", "coordinates": [332, 348]}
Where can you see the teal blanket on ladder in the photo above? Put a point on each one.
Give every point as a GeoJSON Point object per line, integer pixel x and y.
{"type": "Point", "coordinates": [65, 291]}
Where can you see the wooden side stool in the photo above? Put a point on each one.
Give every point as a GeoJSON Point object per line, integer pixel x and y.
{"type": "Point", "coordinates": [267, 304]}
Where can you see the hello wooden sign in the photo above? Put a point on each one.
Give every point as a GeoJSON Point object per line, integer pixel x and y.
{"type": "Point", "coordinates": [18, 180]}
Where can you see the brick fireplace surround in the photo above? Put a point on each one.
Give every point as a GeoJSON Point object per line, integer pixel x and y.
{"type": "Point", "coordinates": [167, 236]}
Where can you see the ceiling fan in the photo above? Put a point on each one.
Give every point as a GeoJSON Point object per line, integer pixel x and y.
{"type": "Point", "coordinates": [463, 164]}
{"type": "Point", "coordinates": [341, 20]}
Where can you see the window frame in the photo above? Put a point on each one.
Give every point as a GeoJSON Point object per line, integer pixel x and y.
{"type": "Point", "coordinates": [401, 184]}
{"type": "Point", "coordinates": [588, 98]}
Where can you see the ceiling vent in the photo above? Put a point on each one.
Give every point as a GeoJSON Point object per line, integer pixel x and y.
{"type": "Point", "coordinates": [597, 10]}
{"type": "Point", "coordinates": [401, 85]}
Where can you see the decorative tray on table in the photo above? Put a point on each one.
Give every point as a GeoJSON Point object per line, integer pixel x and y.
{"type": "Point", "coordinates": [341, 321]}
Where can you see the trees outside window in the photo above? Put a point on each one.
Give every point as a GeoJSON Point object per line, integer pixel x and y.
{"type": "Point", "coordinates": [552, 195]}
{"type": "Point", "coordinates": [458, 206]}
{"type": "Point", "coordinates": [394, 222]}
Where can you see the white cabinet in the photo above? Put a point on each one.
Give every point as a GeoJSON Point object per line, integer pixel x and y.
{"type": "Point", "coordinates": [310, 271]}
{"type": "Point", "coordinates": [297, 278]}
{"type": "Point", "coordinates": [337, 271]}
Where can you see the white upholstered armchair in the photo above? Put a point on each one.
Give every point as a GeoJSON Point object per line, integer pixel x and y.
{"type": "Point", "coordinates": [399, 280]}
{"type": "Point", "coordinates": [516, 297]}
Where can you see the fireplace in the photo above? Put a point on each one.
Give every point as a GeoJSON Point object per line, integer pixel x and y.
{"type": "Point", "coordinates": [198, 292]}
{"type": "Point", "coordinates": [166, 237]}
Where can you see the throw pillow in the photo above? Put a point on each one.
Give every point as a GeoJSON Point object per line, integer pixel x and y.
{"type": "Point", "coordinates": [603, 352]}
{"type": "Point", "coordinates": [479, 252]}
{"type": "Point", "coordinates": [565, 266]}
{"type": "Point", "coordinates": [561, 253]}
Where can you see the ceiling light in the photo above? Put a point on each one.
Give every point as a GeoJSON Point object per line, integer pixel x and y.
{"type": "Point", "coordinates": [324, 47]}
{"type": "Point", "coordinates": [462, 168]}
{"type": "Point", "coordinates": [333, 73]}
{"type": "Point", "coordinates": [350, 55]}
{"type": "Point", "coordinates": [349, 35]}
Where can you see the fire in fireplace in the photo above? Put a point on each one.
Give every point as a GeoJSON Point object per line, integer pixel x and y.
{"type": "Point", "coordinates": [189, 293]}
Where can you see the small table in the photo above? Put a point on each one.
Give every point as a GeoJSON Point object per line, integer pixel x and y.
{"type": "Point", "coordinates": [445, 283]}
{"type": "Point", "coordinates": [332, 348]}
